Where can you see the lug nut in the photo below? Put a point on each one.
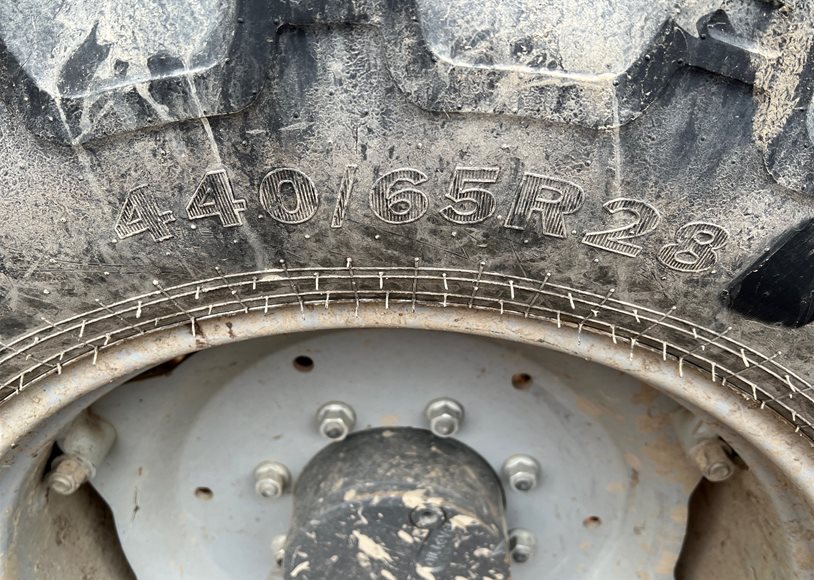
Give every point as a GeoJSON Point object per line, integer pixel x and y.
{"type": "Point", "coordinates": [712, 460]}
{"type": "Point", "coordinates": [703, 447]}
{"type": "Point", "coordinates": [278, 549]}
{"type": "Point", "coordinates": [336, 420]}
{"type": "Point", "coordinates": [68, 473]}
{"type": "Point", "coordinates": [271, 479]}
{"type": "Point", "coordinates": [522, 472]}
{"type": "Point", "coordinates": [445, 416]}
{"type": "Point", "coordinates": [521, 545]}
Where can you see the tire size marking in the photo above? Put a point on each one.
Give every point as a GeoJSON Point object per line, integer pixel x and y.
{"type": "Point", "coordinates": [541, 202]}
{"type": "Point", "coordinates": [613, 239]}
{"type": "Point", "coordinates": [471, 203]}
{"type": "Point", "coordinates": [694, 250]}
{"type": "Point", "coordinates": [551, 198]}
{"type": "Point", "coordinates": [280, 184]}
{"type": "Point", "coordinates": [214, 197]}
{"type": "Point", "coordinates": [394, 203]}
{"type": "Point", "coordinates": [140, 214]}
{"type": "Point", "coordinates": [345, 191]}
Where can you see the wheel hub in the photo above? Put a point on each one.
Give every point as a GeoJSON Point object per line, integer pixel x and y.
{"type": "Point", "coordinates": [397, 503]}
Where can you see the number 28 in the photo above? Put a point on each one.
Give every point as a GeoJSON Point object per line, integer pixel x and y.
{"type": "Point", "coordinates": [694, 249]}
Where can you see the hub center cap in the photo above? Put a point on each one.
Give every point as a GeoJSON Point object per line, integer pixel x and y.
{"type": "Point", "coordinates": [397, 503]}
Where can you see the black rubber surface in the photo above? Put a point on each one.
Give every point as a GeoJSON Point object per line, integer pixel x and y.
{"type": "Point", "coordinates": [324, 152]}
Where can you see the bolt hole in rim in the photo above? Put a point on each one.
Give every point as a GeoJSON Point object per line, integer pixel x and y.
{"type": "Point", "coordinates": [592, 522]}
{"type": "Point", "coordinates": [204, 493]}
{"type": "Point", "coordinates": [304, 363]}
{"type": "Point", "coordinates": [583, 522]}
{"type": "Point", "coordinates": [521, 381]}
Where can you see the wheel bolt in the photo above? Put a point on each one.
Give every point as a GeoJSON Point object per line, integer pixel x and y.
{"type": "Point", "coordinates": [271, 479]}
{"type": "Point", "coordinates": [521, 545]}
{"type": "Point", "coordinates": [522, 472]}
{"type": "Point", "coordinates": [85, 444]}
{"type": "Point", "coordinates": [336, 420]}
{"type": "Point", "coordinates": [445, 416]}
{"type": "Point", "coordinates": [427, 517]}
